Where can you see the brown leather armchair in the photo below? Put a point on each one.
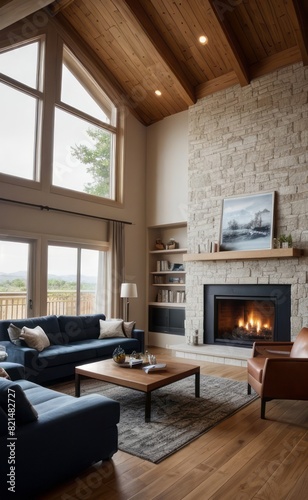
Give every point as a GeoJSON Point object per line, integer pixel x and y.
{"type": "Point", "coordinates": [279, 370]}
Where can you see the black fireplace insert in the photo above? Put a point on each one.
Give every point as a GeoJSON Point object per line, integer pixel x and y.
{"type": "Point", "coordinates": [241, 314]}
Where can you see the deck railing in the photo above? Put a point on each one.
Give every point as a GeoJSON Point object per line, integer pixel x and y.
{"type": "Point", "coordinates": [14, 305]}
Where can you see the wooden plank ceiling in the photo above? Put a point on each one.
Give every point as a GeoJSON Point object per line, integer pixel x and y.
{"type": "Point", "coordinates": [149, 45]}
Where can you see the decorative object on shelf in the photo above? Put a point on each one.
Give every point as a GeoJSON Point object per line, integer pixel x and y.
{"type": "Point", "coordinates": [128, 291]}
{"type": "Point", "coordinates": [177, 267]}
{"type": "Point", "coordinates": [119, 355]}
{"type": "Point", "coordinates": [175, 280]}
{"type": "Point", "coordinates": [159, 244]}
{"type": "Point", "coordinates": [172, 244]}
{"type": "Point", "coordinates": [285, 241]}
{"type": "Point", "coordinates": [247, 222]}
{"type": "Point", "coordinates": [214, 247]}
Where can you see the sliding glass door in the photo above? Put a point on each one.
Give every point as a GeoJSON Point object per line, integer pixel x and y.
{"type": "Point", "coordinates": [15, 283]}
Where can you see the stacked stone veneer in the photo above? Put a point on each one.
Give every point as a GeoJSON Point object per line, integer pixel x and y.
{"type": "Point", "coordinates": [244, 141]}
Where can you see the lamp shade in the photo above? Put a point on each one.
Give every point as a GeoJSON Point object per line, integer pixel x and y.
{"type": "Point", "coordinates": [129, 290]}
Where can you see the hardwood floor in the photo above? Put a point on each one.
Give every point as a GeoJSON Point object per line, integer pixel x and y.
{"type": "Point", "coordinates": [242, 458]}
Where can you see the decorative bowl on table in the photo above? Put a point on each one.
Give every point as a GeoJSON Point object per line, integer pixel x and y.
{"type": "Point", "coordinates": [119, 355]}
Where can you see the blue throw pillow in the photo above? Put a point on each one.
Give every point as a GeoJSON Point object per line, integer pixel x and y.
{"type": "Point", "coordinates": [15, 403]}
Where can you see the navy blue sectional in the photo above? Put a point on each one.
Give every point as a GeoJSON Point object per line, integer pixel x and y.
{"type": "Point", "coordinates": [73, 341]}
{"type": "Point", "coordinates": [47, 437]}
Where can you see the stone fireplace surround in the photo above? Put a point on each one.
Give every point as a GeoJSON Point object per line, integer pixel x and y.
{"type": "Point", "coordinates": [244, 141]}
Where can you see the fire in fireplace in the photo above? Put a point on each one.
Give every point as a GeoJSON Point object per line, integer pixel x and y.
{"type": "Point", "coordinates": [240, 314]}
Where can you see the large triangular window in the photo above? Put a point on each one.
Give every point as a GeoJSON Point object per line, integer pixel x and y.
{"type": "Point", "coordinates": [84, 133]}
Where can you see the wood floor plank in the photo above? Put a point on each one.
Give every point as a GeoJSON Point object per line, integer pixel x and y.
{"type": "Point", "coordinates": [286, 476]}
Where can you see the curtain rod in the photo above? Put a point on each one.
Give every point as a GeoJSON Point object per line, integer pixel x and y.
{"type": "Point", "coordinates": [48, 209]}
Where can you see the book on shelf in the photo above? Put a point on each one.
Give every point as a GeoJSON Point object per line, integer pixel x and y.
{"type": "Point", "coordinates": [158, 280]}
{"type": "Point", "coordinates": [162, 265]}
{"type": "Point", "coordinates": [180, 297]}
{"type": "Point", "coordinates": [170, 296]}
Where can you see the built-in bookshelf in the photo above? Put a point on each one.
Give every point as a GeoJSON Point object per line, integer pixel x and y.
{"type": "Point", "coordinates": [167, 278]}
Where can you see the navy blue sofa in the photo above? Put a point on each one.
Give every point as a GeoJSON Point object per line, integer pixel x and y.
{"type": "Point", "coordinates": [47, 437]}
{"type": "Point", "coordinates": [73, 341]}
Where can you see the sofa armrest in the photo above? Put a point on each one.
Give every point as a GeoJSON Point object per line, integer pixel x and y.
{"type": "Point", "coordinates": [16, 371]}
{"type": "Point", "coordinates": [271, 349]}
{"type": "Point", "coordinates": [139, 335]}
{"type": "Point", "coordinates": [25, 356]}
{"type": "Point", "coordinates": [285, 378]}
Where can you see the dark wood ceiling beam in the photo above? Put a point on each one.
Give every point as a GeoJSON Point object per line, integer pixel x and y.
{"type": "Point", "coordinates": [234, 52]}
{"type": "Point", "coordinates": [299, 17]}
{"type": "Point", "coordinates": [15, 10]}
{"type": "Point", "coordinates": [275, 62]}
{"type": "Point", "coordinates": [58, 5]}
{"type": "Point", "coordinates": [162, 48]}
{"type": "Point", "coordinates": [219, 83]}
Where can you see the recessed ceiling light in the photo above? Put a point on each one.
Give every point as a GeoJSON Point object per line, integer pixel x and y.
{"type": "Point", "coordinates": [157, 92]}
{"type": "Point", "coordinates": [203, 39]}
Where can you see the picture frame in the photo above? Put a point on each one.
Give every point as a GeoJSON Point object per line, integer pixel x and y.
{"type": "Point", "coordinates": [247, 222]}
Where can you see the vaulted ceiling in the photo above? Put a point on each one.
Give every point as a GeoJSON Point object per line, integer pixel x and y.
{"type": "Point", "coordinates": [145, 46]}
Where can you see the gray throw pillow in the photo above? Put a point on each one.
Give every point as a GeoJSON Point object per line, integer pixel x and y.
{"type": "Point", "coordinates": [14, 334]}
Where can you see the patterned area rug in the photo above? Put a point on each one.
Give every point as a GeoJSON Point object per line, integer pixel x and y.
{"type": "Point", "coordinates": [177, 417]}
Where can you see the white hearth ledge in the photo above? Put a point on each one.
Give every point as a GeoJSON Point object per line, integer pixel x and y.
{"type": "Point", "coordinates": [228, 355]}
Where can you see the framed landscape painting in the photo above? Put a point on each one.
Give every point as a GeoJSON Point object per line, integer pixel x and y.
{"type": "Point", "coordinates": [247, 222]}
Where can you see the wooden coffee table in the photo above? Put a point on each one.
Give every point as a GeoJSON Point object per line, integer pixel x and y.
{"type": "Point", "coordinates": [135, 377]}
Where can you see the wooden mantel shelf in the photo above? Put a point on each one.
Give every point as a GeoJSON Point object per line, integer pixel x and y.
{"type": "Point", "coordinates": [276, 253]}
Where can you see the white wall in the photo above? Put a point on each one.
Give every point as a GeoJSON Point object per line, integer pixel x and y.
{"type": "Point", "coordinates": [134, 211]}
{"type": "Point", "coordinates": [167, 167]}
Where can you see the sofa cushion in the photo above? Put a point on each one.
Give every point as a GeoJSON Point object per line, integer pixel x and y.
{"type": "Point", "coordinates": [105, 347]}
{"type": "Point", "coordinates": [35, 338]}
{"type": "Point", "coordinates": [13, 401]}
{"type": "Point", "coordinates": [112, 328]}
{"type": "Point", "coordinates": [75, 352]}
{"type": "Point", "coordinates": [44, 399]}
{"type": "Point", "coordinates": [82, 327]}
{"type": "Point", "coordinates": [300, 346]}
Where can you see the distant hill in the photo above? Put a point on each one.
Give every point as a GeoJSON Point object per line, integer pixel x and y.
{"type": "Point", "coordinates": [23, 275]}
